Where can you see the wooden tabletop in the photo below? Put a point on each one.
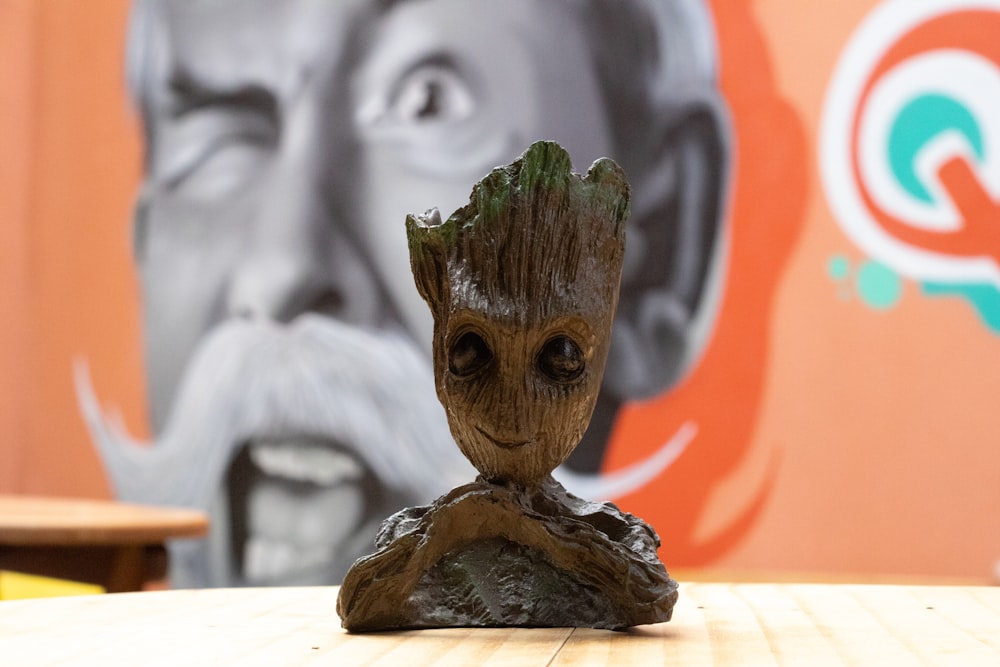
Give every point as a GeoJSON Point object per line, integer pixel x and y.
{"type": "Point", "coordinates": [118, 546]}
{"type": "Point", "coordinates": [26, 520]}
{"type": "Point", "coordinates": [720, 624]}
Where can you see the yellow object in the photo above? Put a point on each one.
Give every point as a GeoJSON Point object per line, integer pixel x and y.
{"type": "Point", "coordinates": [17, 586]}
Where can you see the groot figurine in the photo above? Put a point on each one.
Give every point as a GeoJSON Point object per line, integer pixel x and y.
{"type": "Point", "coordinates": [523, 284]}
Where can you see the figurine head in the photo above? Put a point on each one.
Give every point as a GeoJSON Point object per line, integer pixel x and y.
{"type": "Point", "coordinates": [523, 283]}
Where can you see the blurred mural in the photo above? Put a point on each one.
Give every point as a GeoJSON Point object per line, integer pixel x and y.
{"type": "Point", "coordinates": [207, 297]}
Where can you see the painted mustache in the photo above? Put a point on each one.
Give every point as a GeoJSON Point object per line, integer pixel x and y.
{"type": "Point", "coordinates": [371, 392]}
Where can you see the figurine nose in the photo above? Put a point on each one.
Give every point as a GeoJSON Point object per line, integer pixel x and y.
{"type": "Point", "coordinates": [511, 411]}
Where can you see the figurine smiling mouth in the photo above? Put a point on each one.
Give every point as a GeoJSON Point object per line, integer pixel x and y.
{"type": "Point", "coordinates": [506, 444]}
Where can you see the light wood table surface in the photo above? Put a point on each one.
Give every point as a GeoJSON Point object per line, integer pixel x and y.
{"type": "Point", "coordinates": [116, 545]}
{"type": "Point", "coordinates": [714, 624]}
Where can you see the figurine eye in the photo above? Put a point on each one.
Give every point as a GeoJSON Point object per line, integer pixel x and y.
{"type": "Point", "coordinates": [468, 354]}
{"type": "Point", "coordinates": [560, 359]}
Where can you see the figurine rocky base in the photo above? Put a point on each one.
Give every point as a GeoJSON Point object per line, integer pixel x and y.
{"type": "Point", "coordinates": [490, 554]}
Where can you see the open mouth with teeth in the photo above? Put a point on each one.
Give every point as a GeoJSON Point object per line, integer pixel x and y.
{"type": "Point", "coordinates": [296, 510]}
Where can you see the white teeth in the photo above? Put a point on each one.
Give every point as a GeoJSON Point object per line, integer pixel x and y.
{"type": "Point", "coordinates": [292, 535]}
{"type": "Point", "coordinates": [267, 560]}
{"type": "Point", "coordinates": [305, 462]}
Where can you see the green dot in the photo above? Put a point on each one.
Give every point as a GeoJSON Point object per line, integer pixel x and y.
{"type": "Point", "coordinates": [879, 285]}
{"type": "Point", "coordinates": [838, 267]}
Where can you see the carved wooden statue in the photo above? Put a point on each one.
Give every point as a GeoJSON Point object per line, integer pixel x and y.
{"type": "Point", "coordinates": [523, 284]}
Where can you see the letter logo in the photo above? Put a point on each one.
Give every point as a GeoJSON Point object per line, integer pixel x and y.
{"type": "Point", "coordinates": [910, 145]}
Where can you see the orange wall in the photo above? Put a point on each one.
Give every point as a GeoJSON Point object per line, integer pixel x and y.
{"type": "Point", "coordinates": [68, 284]}
{"type": "Point", "coordinates": [885, 422]}
{"type": "Point", "coordinates": [16, 24]}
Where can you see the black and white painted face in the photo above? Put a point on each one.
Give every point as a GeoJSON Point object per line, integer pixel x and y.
{"type": "Point", "coordinates": [286, 142]}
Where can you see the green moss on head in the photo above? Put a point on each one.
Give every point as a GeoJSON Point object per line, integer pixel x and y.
{"type": "Point", "coordinates": [543, 172]}
{"type": "Point", "coordinates": [545, 165]}
{"type": "Point", "coordinates": [490, 197]}
{"type": "Point", "coordinates": [529, 226]}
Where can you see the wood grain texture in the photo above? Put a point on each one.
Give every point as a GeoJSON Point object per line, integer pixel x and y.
{"type": "Point", "coordinates": [533, 260]}
{"type": "Point", "coordinates": [495, 555]}
{"type": "Point", "coordinates": [714, 623]}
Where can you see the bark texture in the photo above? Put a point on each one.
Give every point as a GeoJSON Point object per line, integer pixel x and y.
{"type": "Point", "coordinates": [523, 284]}
{"type": "Point", "coordinates": [499, 555]}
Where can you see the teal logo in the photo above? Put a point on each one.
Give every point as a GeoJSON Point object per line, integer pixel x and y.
{"type": "Point", "coordinates": [910, 154]}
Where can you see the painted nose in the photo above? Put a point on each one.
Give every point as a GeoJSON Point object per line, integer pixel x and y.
{"type": "Point", "coordinates": [279, 288]}
{"type": "Point", "coordinates": [299, 256]}
{"type": "Point", "coordinates": [320, 272]}
{"type": "Point", "coordinates": [286, 269]}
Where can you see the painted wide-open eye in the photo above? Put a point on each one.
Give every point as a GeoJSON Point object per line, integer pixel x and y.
{"type": "Point", "coordinates": [468, 354]}
{"type": "Point", "coordinates": [560, 359]}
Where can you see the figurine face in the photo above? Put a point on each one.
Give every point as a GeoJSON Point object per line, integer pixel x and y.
{"type": "Point", "coordinates": [523, 284]}
{"type": "Point", "coordinates": [519, 392]}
